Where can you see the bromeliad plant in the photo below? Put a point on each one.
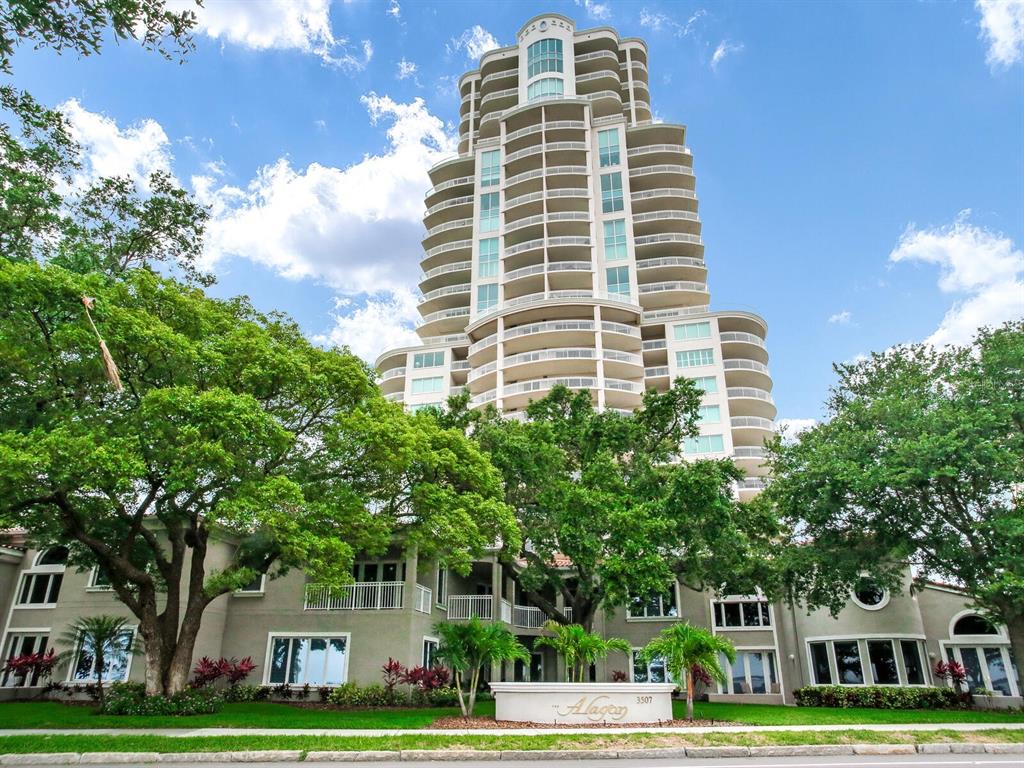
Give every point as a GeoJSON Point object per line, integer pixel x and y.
{"type": "Point", "coordinates": [468, 646]}
{"type": "Point", "coordinates": [684, 647]}
{"type": "Point", "coordinates": [579, 648]}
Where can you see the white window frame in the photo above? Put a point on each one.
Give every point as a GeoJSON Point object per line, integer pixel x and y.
{"type": "Point", "coordinates": [663, 616]}
{"type": "Point", "coordinates": [22, 632]}
{"type": "Point", "coordinates": [741, 652]}
{"type": "Point", "coordinates": [262, 591]}
{"type": "Point", "coordinates": [957, 646]}
{"type": "Point", "coordinates": [632, 666]}
{"type": "Point", "coordinates": [865, 658]}
{"type": "Point", "coordinates": [441, 588]}
{"type": "Point", "coordinates": [326, 635]}
{"type": "Point", "coordinates": [428, 639]}
{"type": "Point", "coordinates": [886, 597]}
{"type": "Point", "coordinates": [39, 570]}
{"type": "Point", "coordinates": [92, 585]}
{"type": "Point", "coordinates": [743, 599]}
{"type": "Point", "coordinates": [73, 665]}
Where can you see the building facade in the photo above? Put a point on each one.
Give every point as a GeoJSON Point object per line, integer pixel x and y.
{"type": "Point", "coordinates": [562, 245]}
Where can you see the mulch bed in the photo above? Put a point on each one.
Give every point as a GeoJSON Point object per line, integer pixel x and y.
{"type": "Point", "coordinates": [489, 722]}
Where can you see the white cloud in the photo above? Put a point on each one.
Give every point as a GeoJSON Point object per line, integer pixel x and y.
{"type": "Point", "coordinates": [724, 49]}
{"type": "Point", "coordinates": [320, 125]}
{"type": "Point", "coordinates": [108, 150]}
{"type": "Point", "coordinates": [974, 261]}
{"type": "Point", "coordinates": [406, 69]}
{"type": "Point", "coordinates": [788, 429]}
{"type": "Point", "coordinates": [475, 41]}
{"type": "Point", "coordinates": [302, 25]}
{"type": "Point", "coordinates": [357, 228]}
{"type": "Point", "coordinates": [394, 10]}
{"type": "Point", "coordinates": [841, 318]}
{"type": "Point", "coordinates": [1002, 26]}
{"type": "Point", "coordinates": [594, 9]}
{"type": "Point", "coordinates": [384, 321]}
{"type": "Point", "coordinates": [656, 22]}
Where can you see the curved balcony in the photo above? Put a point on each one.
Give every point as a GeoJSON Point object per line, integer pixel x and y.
{"type": "Point", "coordinates": [666, 221]}
{"type": "Point", "coordinates": [664, 174]}
{"type": "Point", "coordinates": [550, 333]}
{"type": "Point", "coordinates": [560, 361]}
{"type": "Point", "coordinates": [621, 393]}
{"type": "Point", "coordinates": [556, 170]}
{"type": "Point", "coordinates": [504, 98]}
{"type": "Point", "coordinates": [595, 60]}
{"type": "Point", "coordinates": [743, 345]}
{"type": "Point", "coordinates": [446, 274]}
{"type": "Point", "coordinates": [622, 365]}
{"type": "Point", "coordinates": [751, 430]}
{"type": "Point", "coordinates": [662, 198]}
{"type": "Point", "coordinates": [521, 393]}
{"type": "Point", "coordinates": [392, 358]}
{"type": "Point", "coordinates": [445, 297]}
{"type": "Point", "coordinates": [751, 401]}
{"type": "Point", "coordinates": [672, 313]}
{"type": "Point", "coordinates": [673, 293]}
{"type": "Point", "coordinates": [446, 210]}
{"type": "Point", "coordinates": [747, 373]}
{"type": "Point", "coordinates": [749, 487]}
{"type": "Point", "coordinates": [444, 321]}
{"type": "Point", "coordinates": [599, 80]}
{"type": "Point", "coordinates": [605, 102]}
{"type": "Point", "coordinates": [446, 253]}
{"type": "Point", "coordinates": [483, 398]}
{"type": "Point", "coordinates": [435, 234]}
{"type": "Point", "coordinates": [392, 380]}
{"type": "Point", "coordinates": [751, 458]}
{"type": "Point", "coordinates": [433, 194]}
{"type": "Point", "coordinates": [395, 397]}
{"type": "Point", "coordinates": [666, 268]}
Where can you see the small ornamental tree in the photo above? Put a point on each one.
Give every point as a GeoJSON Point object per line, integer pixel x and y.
{"type": "Point", "coordinates": [690, 653]}
{"type": "Point", "coordinates": [578, 648]}
{"type": "Point", "coordinates": [468, 646]}
{"type": "Point", "coordinates": [95, 639]}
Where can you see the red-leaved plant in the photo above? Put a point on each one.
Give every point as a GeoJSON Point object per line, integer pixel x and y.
{"type": "Point", "coordinates": [426, 678]}
{"type": "Point", "coordinates": [618, 676]}
{"type": "Point", "coordinates": [234, 671]}
{"type": "Point", "coordinates": [392, 672]}
{"type": "Point", "coordinates": [952, 671]}
{"type": "Point", "coordinates": [32, 667]}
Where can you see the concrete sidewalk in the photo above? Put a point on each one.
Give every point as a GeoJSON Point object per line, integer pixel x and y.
{"type": "Point", "coordinates": [342, 732]}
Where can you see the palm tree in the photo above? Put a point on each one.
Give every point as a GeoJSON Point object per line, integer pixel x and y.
{"type": "Point", "coordinates": [102, 635]}
{"type": "Point", "coordinates": [467, 646]}
{"type": "Point", "coordinates": [682, 646]}
{"type": "Point", "coordinates": [579, 648]}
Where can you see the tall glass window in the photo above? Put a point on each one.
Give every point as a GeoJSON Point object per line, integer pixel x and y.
{"type": "Point", "coordinates": [486, 296]}
{"type": "Point", "coordinates": [427, 385]}
{"type": "Point", "coordinates": [308, 660]}
{"type": "Point", "coordinates": [615, 240]}
{"type": "Point", "coordinates": [618, 280]}
{"type": "Point", "coordinates": [694, 357]}
{"type": "Point", "coordinates": [115, 660]}
{"type": "Point", "coordinates": [545, 87]}
{"type": "Point", "coordinates": [427, 359]}
{"type": "Point", "coordinates": [611, 192]}
{"type": "Point", "coordinates": [488, 257]}
{"type": "Point", "coordinates": [706, 384]}
{"type": "Point", "coordinates": [912, 662]}
{"type": "Point", "coordinates": [489, 212]}
{"type": "Point", "coordinates": [544, 56]}
{"type": "Point", "coordinates": [848, 663]}
{"type": "Point", "coordinates": [692, 331]}
{"type": "Point", "coordinates": [490, 168]}
{"type": "Point", "coordinates": [608, 147]}
{"type": "Point", "coordinates": [704, 444]}
{"type": "Point", "coordinates": [819, 661]}
{"type": "Point", "coordinates": [882, 657]}
{"type": "Point", "coordinates": [709, 414]}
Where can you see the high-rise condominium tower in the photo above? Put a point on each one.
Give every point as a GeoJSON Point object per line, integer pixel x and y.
{"type": "Point", "coordinates": [563, 245]}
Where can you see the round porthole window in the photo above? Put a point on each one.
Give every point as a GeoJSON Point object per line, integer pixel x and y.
{"type": "Point", "coordinates": [869, 595]}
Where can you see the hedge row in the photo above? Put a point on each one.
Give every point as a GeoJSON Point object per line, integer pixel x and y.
{"type": "Point", "coordinates": [879, 697]}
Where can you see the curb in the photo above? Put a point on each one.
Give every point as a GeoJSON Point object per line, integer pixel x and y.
{"type": "Point", "coordinates": [430, 755]}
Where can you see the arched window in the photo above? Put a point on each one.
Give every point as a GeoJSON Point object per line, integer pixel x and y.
{"type": "Point", "coordinates": [973, 624]}
{"type": "Point", "coordinates": [52, 557]}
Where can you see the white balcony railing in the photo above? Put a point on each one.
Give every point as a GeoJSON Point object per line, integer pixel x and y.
{"type": "Point", "coordinates": [464, 606]}
{"type": "Point", "coordinates": [530, 617]}
{"type": "Point", "coordinates": [361, 596]}
{"type": "Point", "coordinates": [424, 599]}
{"type": "Point", "coordinates": [506, 611]}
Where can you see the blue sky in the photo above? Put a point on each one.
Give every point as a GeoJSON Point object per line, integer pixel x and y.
{"type": "Point", "coordinates": [860, 166]}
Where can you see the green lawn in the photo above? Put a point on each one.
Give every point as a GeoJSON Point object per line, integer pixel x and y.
{"type": "Point", "coordinates": [767, 714]}
{"type": "Point", "coordinates": [50, 714]}
{"type": "Point", "coordinates": [606, 740]}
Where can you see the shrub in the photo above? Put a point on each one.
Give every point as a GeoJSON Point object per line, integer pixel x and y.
{"type": "Point", "coordinates": [234, 671]}
{"type": "Point", "coordinates": [427, 678]}
{"type": "Point", "coordinates": [393, 672]}
{"type": "Point", "coordinates": [878, 697]}
{"type": "Point", "coordinates": [31, 667]}
{"type": "Point", "coordinates": [618, 676]}
{"type": "Point", "coordinates": [131, 699]}
{"type": "Point", "coordinates": [238, 693]}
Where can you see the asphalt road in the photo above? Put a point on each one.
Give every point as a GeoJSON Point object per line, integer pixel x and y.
{"type": "Point", "coordinates": [894, 761]}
